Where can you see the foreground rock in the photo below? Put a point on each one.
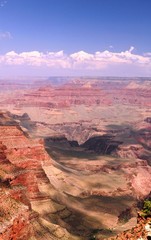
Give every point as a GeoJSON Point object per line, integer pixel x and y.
{"type": "Point", "coordinates": [142, 231]}
{"type": "Point", "coordinates": [22, 181]}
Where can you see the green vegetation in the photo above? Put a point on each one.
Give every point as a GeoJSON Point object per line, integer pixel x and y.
{"type": "Point", "coordinates": [147, 208]}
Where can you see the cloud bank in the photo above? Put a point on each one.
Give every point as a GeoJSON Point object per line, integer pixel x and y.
{"type": "Point", "coordinates": [79, 61]}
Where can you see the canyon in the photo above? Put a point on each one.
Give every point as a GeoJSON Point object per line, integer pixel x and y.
{"type": "Point", "coordinates": [75, 157]}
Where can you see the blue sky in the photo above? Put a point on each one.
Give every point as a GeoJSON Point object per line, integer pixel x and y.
{"type": "Point", "coordinates": [75, 37]}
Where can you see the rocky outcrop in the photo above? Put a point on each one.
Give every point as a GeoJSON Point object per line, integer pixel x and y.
{"type": "Point", "coordinates": [15, 207]}
{"type": "Point", "coordinates": [14, 219]}
{"type": "Point", "coordinates": [24, 187]}
{"type": "Point", "coordinates": [130, 151]}
{"type": "Point", "coordinates": [142, 231]}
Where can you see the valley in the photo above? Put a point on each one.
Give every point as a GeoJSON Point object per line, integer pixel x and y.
{"type": "Point", "coordinates": [75, 157]}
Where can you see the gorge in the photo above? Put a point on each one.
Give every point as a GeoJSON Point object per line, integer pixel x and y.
{"type": "Point", "coordinates": [75, 157]}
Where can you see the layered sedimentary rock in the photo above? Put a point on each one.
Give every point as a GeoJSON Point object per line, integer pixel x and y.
{"type": "Point", "coordinates": [15, 207]}
{"type": "Point", "coordinates": [98, 133]}
{"type": "Point", "coordinates": [24, 189]}
{"type": "Point", "coordinates": [84, 92]}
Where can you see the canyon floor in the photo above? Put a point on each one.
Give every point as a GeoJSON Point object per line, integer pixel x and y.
{"type": "Point", "coordinates": [75, 157]}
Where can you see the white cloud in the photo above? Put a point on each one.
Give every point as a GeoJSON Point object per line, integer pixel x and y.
{"type": "Point", "coordinates": [36, 58]}
{"type": "Point", "coordinates": [81, 56]}
{"type": "Point", "coordinates": [131, 49]}
{"type": "Point", "coordinates": [79, 60]}
{"type": "Point", "coordinates": [5, 35]}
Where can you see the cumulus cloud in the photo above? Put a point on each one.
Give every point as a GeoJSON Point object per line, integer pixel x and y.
{"type": "Point", "coordinates": [78, 60]}
{"type": "Point", "coordinates": [36, 58]}
{"type": "Point", "coordinates": [81, 56]}
{"type": "Point", "coordinates": [5, 35]}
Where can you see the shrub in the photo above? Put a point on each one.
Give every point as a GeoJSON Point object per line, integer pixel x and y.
{"type": "Point", "coordinates": [147, 208]}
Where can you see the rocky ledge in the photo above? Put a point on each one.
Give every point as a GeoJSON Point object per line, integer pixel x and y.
{"type": "Point", "coordinates": [24, 194]}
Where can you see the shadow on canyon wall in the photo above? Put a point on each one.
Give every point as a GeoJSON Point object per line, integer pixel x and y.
{"type": "Point", "coordinates": [131, 136]}
{"type": "Point", "coordinates": [103, 146]}
{"type": "Point", "coordinates": [107, 143]}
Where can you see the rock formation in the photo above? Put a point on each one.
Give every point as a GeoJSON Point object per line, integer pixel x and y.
{"type": "Point", "coordinates": [142, 230]}
{"type": "Point", "coordinates": [98, 133]}
{"type": "Point", "coordinates": [23, 187]}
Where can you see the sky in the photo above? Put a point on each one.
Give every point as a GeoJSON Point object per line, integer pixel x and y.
{"type": "Point", "coordinates": [75, 38]}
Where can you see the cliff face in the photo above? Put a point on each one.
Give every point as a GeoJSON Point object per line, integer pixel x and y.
{"type": "Point", "coordinates": [84, 92]}
{"type": "Point", "coordinates": [24, 189]}
{"type": "Point", "coordinates": [14, 212]}
{"type": "Point", "coordinates": [17, 223]}
{"type": "Point", "coordinates": [25, 154]}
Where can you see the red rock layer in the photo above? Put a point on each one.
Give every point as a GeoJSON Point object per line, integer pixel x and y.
{"type": "Point", "coordinates": [20, 166]}
{"type": "Point", "coordinates": [14, 215]}
{"type": "Point", "coordinates": [82, 92]}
